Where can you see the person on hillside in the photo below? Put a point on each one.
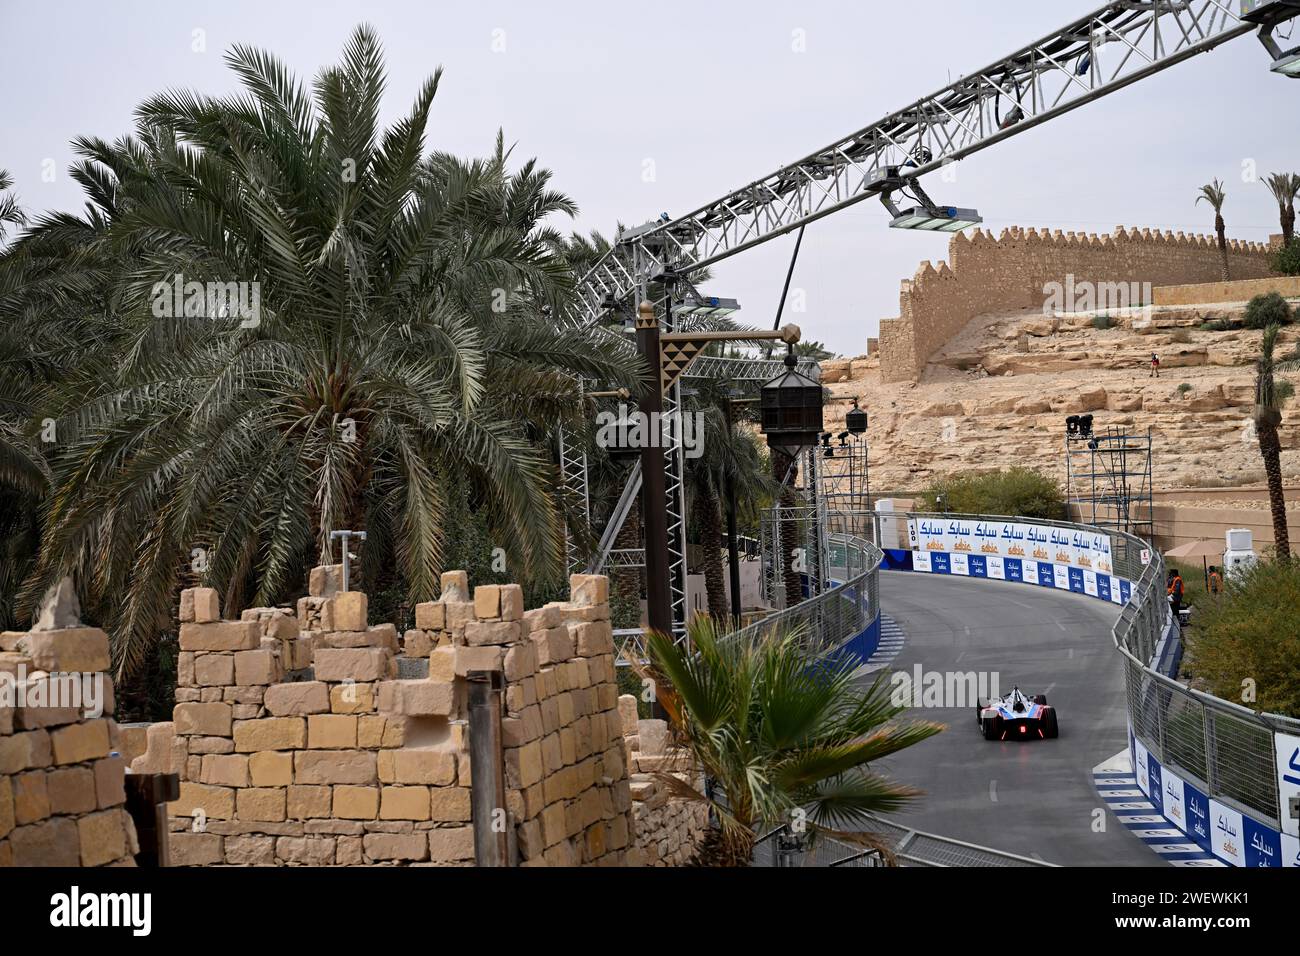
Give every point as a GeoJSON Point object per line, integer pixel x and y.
{"type": "Point", "coordinates": [1215, 582]}
{"type": "Point", "coordinates": [1155, 366]}
{"type": "Point", "coordinates": [1175, 591]}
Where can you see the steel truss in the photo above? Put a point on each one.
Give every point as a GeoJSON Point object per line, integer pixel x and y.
{"type": "Point", "coordinates": [1108, 480]}
{"type": "Point", "coordinates": [1105, 51]}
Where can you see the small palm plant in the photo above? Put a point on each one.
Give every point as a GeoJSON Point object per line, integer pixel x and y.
{"type": "Point", "coordinates": [1216, 196]}
{"type": "Point", "coordinates": [780, 739]}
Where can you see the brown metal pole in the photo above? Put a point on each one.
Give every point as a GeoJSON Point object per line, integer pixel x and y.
{"type": "Point", "coordinates": [487, 775]}
{"type": "Point", "coordinates": [654, 503]}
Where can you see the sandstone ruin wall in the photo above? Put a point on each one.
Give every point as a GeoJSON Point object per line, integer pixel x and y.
{"type": "Point", "coordinates": [987, 275]}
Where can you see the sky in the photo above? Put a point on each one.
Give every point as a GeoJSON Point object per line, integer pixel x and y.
{"type": "Point", "coordinates": [706, 96]}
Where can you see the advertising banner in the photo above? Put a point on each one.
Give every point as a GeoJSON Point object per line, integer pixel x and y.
{"type": "Point", "coordinates": [1048, 544]}
{"type": "Point", "coordinates": [1287, 747]}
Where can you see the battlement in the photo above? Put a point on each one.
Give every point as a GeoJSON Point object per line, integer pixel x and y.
{"type": "Point", "coordinates": [987, 274]}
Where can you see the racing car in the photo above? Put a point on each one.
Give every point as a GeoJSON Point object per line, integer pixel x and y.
{"type": "Point", "coordinates": [1017, 717]}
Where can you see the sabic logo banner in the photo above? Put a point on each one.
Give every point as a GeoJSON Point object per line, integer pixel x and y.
{"type": "Point", "coordinates": [1009, 539]}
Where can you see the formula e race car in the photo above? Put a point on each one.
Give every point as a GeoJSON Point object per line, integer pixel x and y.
{"type": "Point", "coordinates": [1016, 717]}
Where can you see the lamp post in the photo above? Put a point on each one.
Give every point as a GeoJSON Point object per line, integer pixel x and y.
{"type": "Point", "coordinates": [667, 356]}
{"type": "Point", "coordinates": [659, 606]}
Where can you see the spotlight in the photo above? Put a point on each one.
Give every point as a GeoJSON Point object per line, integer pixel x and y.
{"type": "Point", "coordinates": [1072, 426]}
{"type": "Point", "coordinates": [1085, 426]}
{"type": "Point", "coordinates": [936, 219]}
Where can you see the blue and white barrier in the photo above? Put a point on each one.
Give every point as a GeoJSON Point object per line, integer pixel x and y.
{"type": "Point", "coordinates": [1234, 837]}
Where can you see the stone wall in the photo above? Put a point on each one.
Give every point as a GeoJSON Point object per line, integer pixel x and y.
{"type": "Point", "coordinates": [339, 743]}
{"type": "Point", "coordinates": [985, 275]}
{"type": "Point", "coordinates": [667, 824]}
{"type": "Point", "coordinates": [1238, 291]}
{"type": "Point", "coordinates": [62, 798]}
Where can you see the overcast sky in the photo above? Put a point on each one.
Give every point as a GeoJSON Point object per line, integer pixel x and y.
{"type": "Point", "coordinates": [713, 94]}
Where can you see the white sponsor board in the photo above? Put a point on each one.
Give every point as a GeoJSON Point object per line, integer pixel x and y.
{"type": "Point", "coordinates": [1290, 851]}
{"type": "Point", "coordinates": [1227, 834]}
{"type": "Point", "coordinates": [1012, 539]}
{"type": "Point", "coordinates": [1140, 763]}
{"type": "Point", "coordinates": [1287, 747]}
{"type": "Point", "coordinates": [1174, 806]}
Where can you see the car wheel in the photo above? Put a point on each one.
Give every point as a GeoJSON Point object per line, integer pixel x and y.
{"type": "Point", "coordinates": [1050, 730]}
{"type": "Point", "coordinates": [992, 728]}
{"type": "Point", "coordinates": [1040, 698]}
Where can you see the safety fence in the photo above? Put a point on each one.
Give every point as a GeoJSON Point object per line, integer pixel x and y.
{"type": "Point", "coordinates": [1217, 769]}
{"type": "Point", "coordinates": [842, 621]}
{"type": "Point", "coordinates": [782, 847]}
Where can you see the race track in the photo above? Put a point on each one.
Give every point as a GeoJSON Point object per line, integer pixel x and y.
{"type": "Point", "coordinates": [1034, 798]}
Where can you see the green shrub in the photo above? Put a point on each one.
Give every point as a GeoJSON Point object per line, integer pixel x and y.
{"type": "Point", "coordinates": [1250, 635]}
{"type": "Point", "coordinates": [1103, 322]}
{"type": "Point", "coordinates": [1184, 388]}
{"type": "Point", "coordinates": [1265, 310]}
{"type": "Point", "coordinates": [1216, 325]}
{"type": "Point", "coordinates": [1014, 491]}
{"type": "Point", "coordinates": [1287, 259]}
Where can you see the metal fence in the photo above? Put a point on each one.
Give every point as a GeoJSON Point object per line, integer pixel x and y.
{"type": "Point", "coordinates": [830, 619]}
{"type": "Point", "coordinates": [1224, 749]}
{"type": "Point", "coordinates": [910, 848]}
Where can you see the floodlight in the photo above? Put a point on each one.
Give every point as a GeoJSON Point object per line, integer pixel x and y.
{"type": "Point", "coordinates": [709, 305]}
{"type": "Point", "coordinates": [1288, 65]}
{"type": "Point", "coordinates": [936, 219]}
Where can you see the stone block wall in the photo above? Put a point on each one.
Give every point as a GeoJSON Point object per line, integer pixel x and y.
{"type": "Point", "coordinates": [339, 743]}
{"type": "Point", "coordinates": [986, 276]}
{"type": "Point", "coordinates": [62, 797]}
{"type": "Point", "coordinates": [667, 824]}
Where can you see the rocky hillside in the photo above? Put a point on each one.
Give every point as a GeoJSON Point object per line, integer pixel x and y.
{"type": "Point", "coordinates": [998, 395]}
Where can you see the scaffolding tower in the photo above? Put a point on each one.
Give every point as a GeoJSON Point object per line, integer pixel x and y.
{"type": "Point", "coordinates": [1108, 480]}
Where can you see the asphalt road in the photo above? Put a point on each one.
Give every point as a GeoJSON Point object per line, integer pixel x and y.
{"type": "Point", "coordinates": [1034, 798]}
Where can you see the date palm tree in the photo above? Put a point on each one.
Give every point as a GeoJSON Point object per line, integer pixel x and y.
{"type": "Point", "coordinates": [778, 740]}
{"type": "Point", "coordinates": [730, 457]}
{"type": "Point", "coordinates": [11, 214]}
{"type": "Point", "coordinates": [402, 337]}
{"type": "Point", "coordinates": [1285, 187]}
{"type": "Point", "coordinates": [1270, 396]}
{"type": "Point", "coordinates": [1215, 195]}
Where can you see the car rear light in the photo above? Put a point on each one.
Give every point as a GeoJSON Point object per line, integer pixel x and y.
{"type": "Point", "coordinates": [1022, 728]}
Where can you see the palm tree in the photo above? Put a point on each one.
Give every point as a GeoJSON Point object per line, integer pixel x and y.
{"type": "Point", "coordinates": [403, 337]}
{"type": "Point", "coordinates": [11, 214]}
{"type": "Point", "coordinates": [1214, 194]}
{"type": "Point", "coordinates": [1285, 187]}
{"type": "Point", "coordinates": [777, 739]}
{"type": "Point", "coordinates": [1270, 396]}
{"type": "Point", "coordinates": [731, 457]}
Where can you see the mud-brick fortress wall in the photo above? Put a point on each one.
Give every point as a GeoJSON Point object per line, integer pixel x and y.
{"type": "Point", "coordinates": [986, 276]}
{"type": "Point", "coordinates": [62, 795]}
{"type": "Point", "coordinates": [316, 738]}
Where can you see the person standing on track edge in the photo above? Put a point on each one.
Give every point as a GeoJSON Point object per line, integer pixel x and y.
{"type": "Point", "coordinates": [1175, 591]}
{"type": "Point", "coordinates": [1215, 582]}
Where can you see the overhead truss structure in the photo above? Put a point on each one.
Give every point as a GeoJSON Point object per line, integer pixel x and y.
{"type": "Point", "coordinates": [1109, 49]}
{"type": "Point", "coordinates": [1105, 51]}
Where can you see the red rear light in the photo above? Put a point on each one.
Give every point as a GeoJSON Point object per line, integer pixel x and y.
{"type": "Point", "coordinates": [1022, 728]}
